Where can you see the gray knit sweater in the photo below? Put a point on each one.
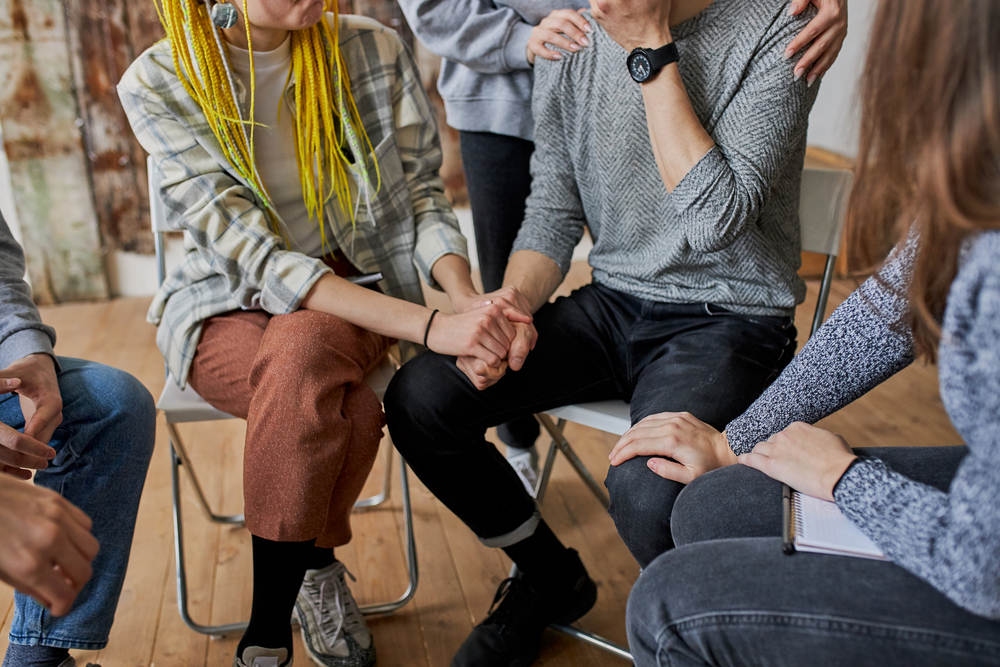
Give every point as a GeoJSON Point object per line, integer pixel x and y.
{"type": "Point", "coordinates": [729, 232]}
{"type": "Point", "coordinates": [952, 540]}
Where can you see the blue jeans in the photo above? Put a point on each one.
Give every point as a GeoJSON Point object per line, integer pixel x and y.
{"type": "Point", "coordinates": [596, 344]}
{"type": "Point", "coordinates": [103, 447]}
{"type": "Point", "coordinates": [727, 595]}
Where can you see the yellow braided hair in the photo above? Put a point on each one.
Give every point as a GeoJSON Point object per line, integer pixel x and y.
{"type": "Point", "coordinates": [323, 101]}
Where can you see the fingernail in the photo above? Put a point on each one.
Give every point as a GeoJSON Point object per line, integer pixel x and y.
{"type": "Point", "coordinates": [788, 54]}
{"type": "Point", "coordinates": [651, 464]}
{"type": "Point", "coordinates": [12, 382]}
{"type": "Point", "coordinates": [574, 47]}
{"type": "Point", "coordinates": [791, 9]}
{"type": "Point", "coordinates": [798, 74]}
{"type": "Point", "coordinates": [51, 454]}
{"type": "Point", "coordinates": [585, 41]}
{"type": "Point", "coordinates": [517, 360]}
{"type": "Point", "coordinates": [587, 28]}
{"type": "Point", "coordinates": [557, 56]}
{"type": "Point", "coordinates": [488, 302]}
{"type": "Point", "coordinates": [812, 80]}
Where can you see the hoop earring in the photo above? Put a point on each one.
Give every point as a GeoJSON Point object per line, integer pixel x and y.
{"type": "Point", "coordinates": [224, 15]}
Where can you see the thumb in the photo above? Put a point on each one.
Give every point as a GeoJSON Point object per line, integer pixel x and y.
{"type": "Point", "coordinates": [519, 349]}
{"type": "Point", "coordinates": [797, 6]}
{"type": "Point", "coordinates": [8, 385]}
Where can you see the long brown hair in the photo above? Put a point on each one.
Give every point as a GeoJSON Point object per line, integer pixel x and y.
{"type": "Point", "coordinates": [930, 144]}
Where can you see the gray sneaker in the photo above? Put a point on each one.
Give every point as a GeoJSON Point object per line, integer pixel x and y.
{"type": "Point", "coordinates": [333, 629]}
{"type": "Point", "coordinates": [525, 464]}
{"type": "Point", "coordinates": [256, 656]}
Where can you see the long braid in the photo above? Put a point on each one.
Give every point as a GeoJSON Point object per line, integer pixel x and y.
{"type": "Point", "coordinates": [327, 122]}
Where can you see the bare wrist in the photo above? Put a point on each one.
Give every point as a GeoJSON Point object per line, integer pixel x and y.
{"type": "Point", "coordinates": [726, 455]}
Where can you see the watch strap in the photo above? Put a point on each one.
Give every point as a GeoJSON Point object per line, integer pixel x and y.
{"type": "Point", "coordinates": [663, 56]}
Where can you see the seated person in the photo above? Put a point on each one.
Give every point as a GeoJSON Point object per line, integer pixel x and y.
{"type": "Point", "coordinates": [297, 150]}
{"type": "Point", "coordinates": [694, 286]}
{"type": "Point", "coordinates": [87, 431]}
{"type": "Point", "coordinates": [929, 179]}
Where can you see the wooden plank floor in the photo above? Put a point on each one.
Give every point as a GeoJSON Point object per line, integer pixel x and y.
{"type": "Point", "coordinates": [458, 576]}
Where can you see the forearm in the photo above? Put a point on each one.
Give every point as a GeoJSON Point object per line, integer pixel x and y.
{"type": "Point", "coordinates": [678, 139]}
{"type": "Point", "coordinates": [534, 275]}
{"type": "Point", "coordinates": [452, 273]}
{"type": "Point", "coordinates": [367, 308]}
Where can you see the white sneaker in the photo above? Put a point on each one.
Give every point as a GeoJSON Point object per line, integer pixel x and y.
{"type": "Point", "coordinates": [333, 629]}
{"type": "Point", "coordinates": [525, 464]}
{"type": "Point", "coordinates": [256, 656]}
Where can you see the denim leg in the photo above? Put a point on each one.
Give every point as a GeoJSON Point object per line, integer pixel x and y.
{"type": "Point", "coordinates": [714, 368]}
{"type": "Point", "coordinates": [498, 177]}
{"type": "Point", "coordinates": [738, 501]}
{"type": "Point", "coordinates": [103, 447]}
{"type": "Point", "coordinates": [742, 601]}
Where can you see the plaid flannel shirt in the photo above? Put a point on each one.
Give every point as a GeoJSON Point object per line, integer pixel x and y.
{"type": "Point", "coordinates": [233, 259]}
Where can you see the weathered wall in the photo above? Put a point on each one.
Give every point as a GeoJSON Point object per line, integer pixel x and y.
{"type": "Point", "coordinates": [39, 115]}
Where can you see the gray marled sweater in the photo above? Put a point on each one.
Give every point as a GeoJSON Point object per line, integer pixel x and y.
{"type": "Point", "coordinates": [729, 232]}
{"type": "Point", "coordinates": [952, 540]}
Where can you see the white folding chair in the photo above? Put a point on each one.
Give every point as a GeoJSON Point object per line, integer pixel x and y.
{"type": "Point", "coordinates": [181, 406]}
{"type": "Point", "coordinates": [822, 207]}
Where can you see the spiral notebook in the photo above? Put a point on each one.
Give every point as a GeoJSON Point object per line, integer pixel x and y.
{"type": "Point", "coordinates": [818, 526]}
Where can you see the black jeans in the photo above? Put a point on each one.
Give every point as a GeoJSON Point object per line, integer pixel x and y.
{"type": "Point", "coordinates": [596, 344]}
{"type": "Point", "coordinates": [498, 179]}
{"type": "Point", "coordinates": [728, 595]}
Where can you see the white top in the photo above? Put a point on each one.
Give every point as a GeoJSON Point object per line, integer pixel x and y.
{"type": "Point", "coordinates": [274, 144]}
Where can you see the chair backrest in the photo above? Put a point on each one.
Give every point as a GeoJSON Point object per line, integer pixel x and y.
{"type": "Point", "coordinates": [157, 218]}
{"type": "Point", "coordinates": [822, 206]}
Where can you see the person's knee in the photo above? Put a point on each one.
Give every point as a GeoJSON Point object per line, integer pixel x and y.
{"type": "Point", "coordinates": [735, 501]}
{"type": "Point", "coordinates": [418, 398]}
{"type": "Point", "coordinates": [641, 505]}
{"type": "Point", "coordinates": [101, 393]}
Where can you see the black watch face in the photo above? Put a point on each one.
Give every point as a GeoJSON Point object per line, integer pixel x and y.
{"type": "Point", "coordinates": [639, 66]}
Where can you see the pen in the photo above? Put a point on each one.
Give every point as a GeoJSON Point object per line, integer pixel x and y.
{"type": "Point", "coordinates": [787, 546]}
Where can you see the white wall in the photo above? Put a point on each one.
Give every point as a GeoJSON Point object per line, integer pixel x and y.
{"type": "Point", "coordinates": [833, 123]}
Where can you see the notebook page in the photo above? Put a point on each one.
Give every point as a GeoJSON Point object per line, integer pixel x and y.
{"type": "Point", "coordinates": [822, 528]}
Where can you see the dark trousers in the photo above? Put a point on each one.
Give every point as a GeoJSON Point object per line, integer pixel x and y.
{"type": "Point", "coordinates": [498, 179]}
{"type": "Point", "coordinates": [596, 344]}
{"type": "Point", "coordinates": [728, 595]}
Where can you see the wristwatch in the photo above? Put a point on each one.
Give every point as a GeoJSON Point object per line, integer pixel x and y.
{"type": "Point", "coordinates": [643, 64]}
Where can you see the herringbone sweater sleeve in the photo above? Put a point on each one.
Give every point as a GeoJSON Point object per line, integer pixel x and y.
{"type": "Point", "coordinates": [553, 216]}
{"type": "Point", "coordinates": [723, 194]}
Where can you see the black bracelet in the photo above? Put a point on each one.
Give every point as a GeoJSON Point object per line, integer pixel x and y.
{"type": "Point", "coordinates": [428, 329]}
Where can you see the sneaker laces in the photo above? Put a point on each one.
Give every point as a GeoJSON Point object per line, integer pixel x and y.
{"type": "Point", "coordinates": [348, 616]}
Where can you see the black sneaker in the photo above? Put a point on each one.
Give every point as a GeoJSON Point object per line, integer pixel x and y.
{"type": "Point", "coordinates": [509, 637]}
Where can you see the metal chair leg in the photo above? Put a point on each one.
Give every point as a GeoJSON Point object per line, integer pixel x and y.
{"type": "Point", "coordinates": [217, 631]}
{"type": "Point", "coordinates": [179, 453]}
{"type": "Point", "coordinates": [383, 495]}
{"type": "Point", "coordinates": [594, 640]}
{"type": "Point", "coordinates": [182, 591]}
{"type": "Point", "coordinates": [574, 460]}
{"type": "Point", "coordinates": [411, 553]}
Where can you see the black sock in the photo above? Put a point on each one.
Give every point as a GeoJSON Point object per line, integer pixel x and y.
{"type": "Point", "coordinates": [319, 558]}
{"type": "Point", "coordinates": [21, 655]}
{"type": "Point", "coordinates": [278, 570]}
{"type": "Point", "coordinates": [541, 556]}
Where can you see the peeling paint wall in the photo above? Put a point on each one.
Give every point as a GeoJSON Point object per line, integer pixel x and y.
{"type": "Point", "coordinates": [49, 175]}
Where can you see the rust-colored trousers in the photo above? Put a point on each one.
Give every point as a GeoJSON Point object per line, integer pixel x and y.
{"type": "Point", "coordinates": [313, 425]}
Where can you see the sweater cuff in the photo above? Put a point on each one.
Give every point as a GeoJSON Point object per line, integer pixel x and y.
{"type": "Point", "coordinates": [24, 342]}
{"type": "Point", "coordinates": [515, 52]}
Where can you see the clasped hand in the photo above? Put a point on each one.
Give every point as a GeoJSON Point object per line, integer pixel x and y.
{"type": "Point", "coordinates": [34, 379]}
{"type": "Point", "coordinates": [510, 312]}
